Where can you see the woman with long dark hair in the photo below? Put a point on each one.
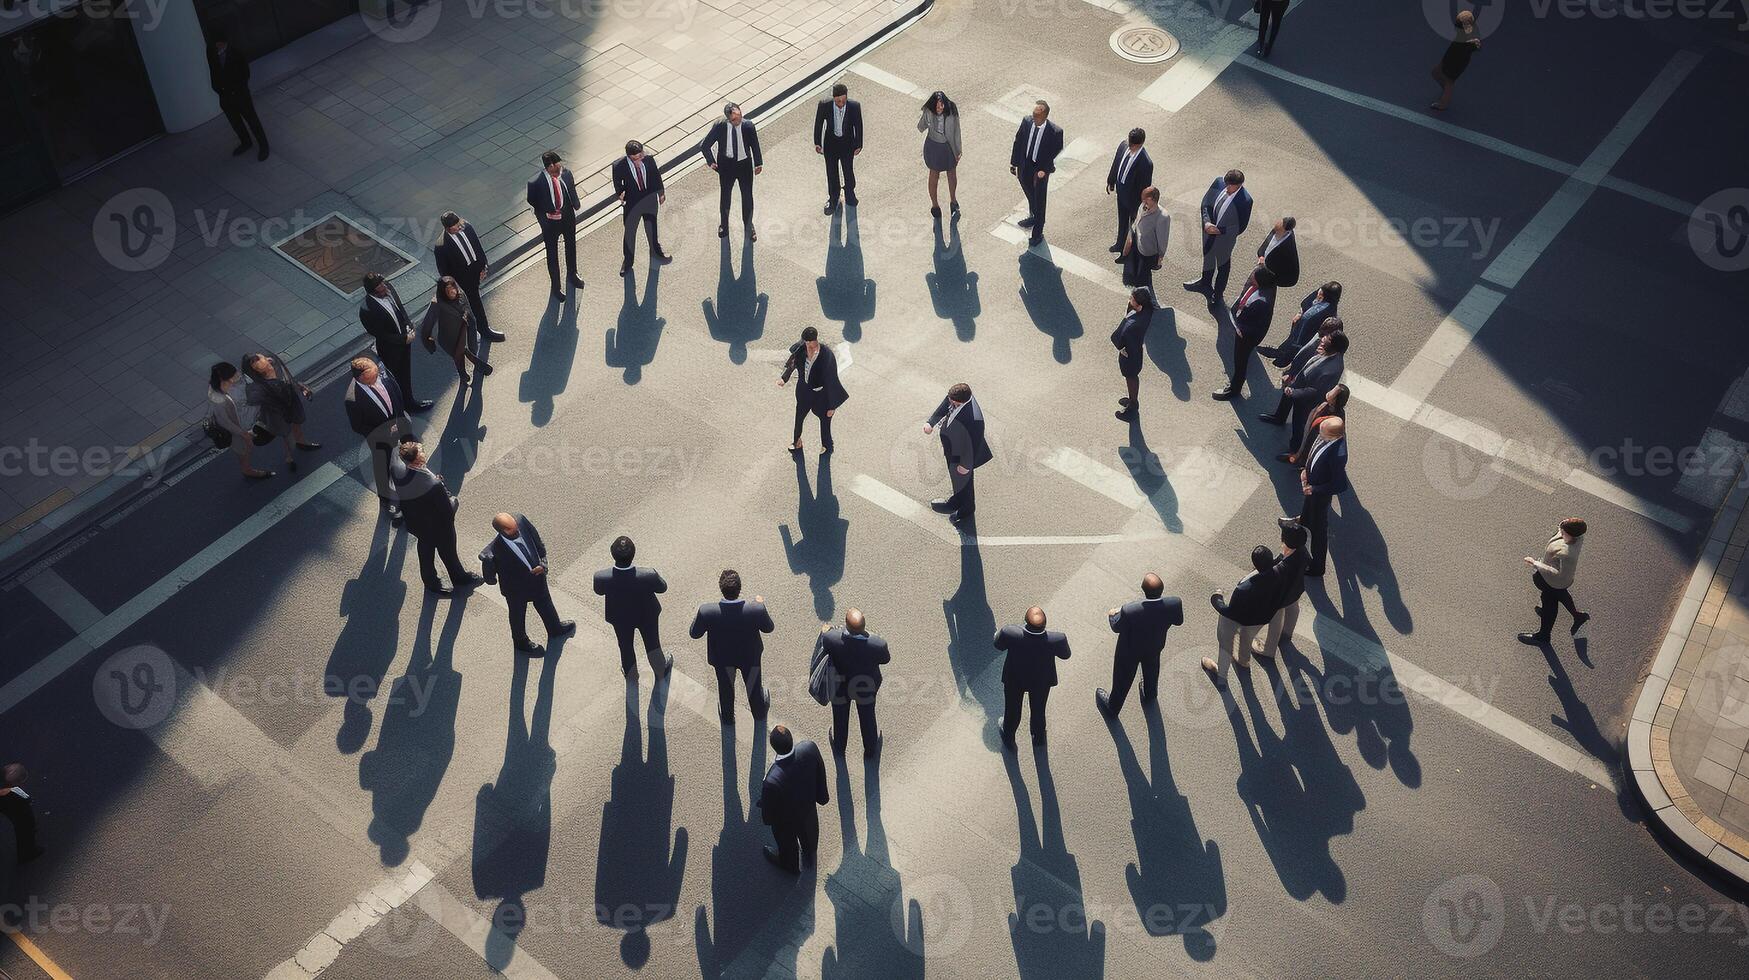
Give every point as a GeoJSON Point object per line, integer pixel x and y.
{"type": "Point", "coordinates": [229, 417]}
{"type": "Point", "coordinates": [940, 124]}
{"type": "Point", "coordinates": [450, 314]}
{"type": "Point", "coordinates": [279, 401]}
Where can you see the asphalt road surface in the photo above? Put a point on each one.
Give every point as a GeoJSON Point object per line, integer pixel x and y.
{"type": "Point", "coordinates": [262, 750]}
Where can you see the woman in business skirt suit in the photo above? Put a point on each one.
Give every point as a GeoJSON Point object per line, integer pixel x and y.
{"type": "Point", "coordinates": [279, 398]}
{"type": "Point", "coordinates": [940, 124]}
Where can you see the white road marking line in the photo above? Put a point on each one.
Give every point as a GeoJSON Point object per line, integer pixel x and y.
{"type": "Point", "coordinates": [63, 658]}
{"type": "Point", "coordinates": [887, 79]}
{"type": "Point", "coordinates": [1196, 69]}
{"type": "Point", "coordinates": [1205, 489]}
{"type": "Point", "coordinates": [1451, 338]}
{"type": "Point", "coordinates": [473, 929]}
{"type": "Point", "coordinates": [907, 509]}
{"type": "Point", "coordinates": [371, 905]}
{"type": "Point", "coordinates": [63, 600]}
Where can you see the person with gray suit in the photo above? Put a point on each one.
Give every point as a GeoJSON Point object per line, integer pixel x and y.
{"type": "Point", "coordinates": [1290, 578]}
{"type": "Point", "coordinates": [1308, 378]}
{"type": "Point", "coordinates": [961, 424]}
{"type": "Point", "coordinates": [857, 656]}
{"type": "Point", "coordinates": [516, 560]}
{"type": "Point", "coordinates": [632, 606]}
{"type": "Point", "coordinates": [1141, 628]}
{"type": "Point", "coordinates": [1226, 213]}
{"type": "Point", "coordinates": [1028, 671]}
{"type": "Point", "coordinates": [731, 630]}
{"type": "Point", "coordinates": [1249, 610]}
{"type": "Point", "coordinates": [1144, 248]}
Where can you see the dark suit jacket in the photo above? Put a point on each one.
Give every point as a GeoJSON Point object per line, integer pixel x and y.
{"type": "Point", "coordinates": [718, 138]}
{"type": "Point", "coordinates": [231, 78]}
{"type": "Point", "coordinates": [1327, 467]}
{"type": "Point", "coordinates": [425, 500]}
{"type": "Point", "coordinates": [631, 594]}
{"type": "Point", "coordinates": [852, 138]}
{"type": "Point", "coordinates": [1032, 657]}
{"type": "Point", "coordinates": [732, 632]}
{"type": "Point", "coordinates": [1311, 436]}
{"type": "Point", "coordinates": [1284, 261]}
{"type": "Point", "coordinates": [1232, 224]}
{"type": "Point", "coordinates": [858, 658]}
{"type": "Point", "coordinates": [388, 331]}
{"type": "Point", "coordinates": [1253, 600]}
{"type": "Point", "coordinates": [451, 261]}
{"type": "Point", "coordinates": [1129, 336]}
{"type": "Point", "coordinates": [625, 183]}
{"type": "Point", "coordinates": [1290, 575]}
{"type": "Point", "coordinates": [1141, 625]}
{"type": "Point", "coordinates": [823, 381]}
{"type": "Point", "coordinates": [366, 416]}
{"type": "Point", "coordinates": [540, 194]}
{"type": "Point", "coordinates": [1252, 319]}
{"type": "Point", "coordinates": [794, 786]}
{"type": "Point", "coordinates": [504, 566]}
{"type": "Point", "coordinates": [1129, 193]}
{"type": "Point", "coordinates": [1049, 145]}
{"type": "Point", "coordinates": [963, 442]}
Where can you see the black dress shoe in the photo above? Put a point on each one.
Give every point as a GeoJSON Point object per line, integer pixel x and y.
{"type": "Point", "coordinates": [940, 506]}
{"type": "Point", "coordinates": [1287, 458]}
{"type": "Point", "coordinates": [850, 199]}
{"type": "Point", "coordinates": [1533, 639]}
{"type": "Point", "coordinates": [667, 665]}
{"type": "Point", "coordinates": [959, 518]}
{"type": "Point", "coordinates": [1125, 414]}
{"type": "Point", "coordinates": [494, 336]}
{"type": "Point", "coordinates": [559, 297]}
{"type": "Point", "coordinates": [1007, 740]}
{"type": "Point", "coordinates": [623, 270]}
{"type": "Point", "coordinates": [484, 368]}
{"type": "Point", "coordinates": [576, 283]}
{"type": "Point", "coordinates": [1117, 261]}
{"type": "Point", "coordinates": [1224, 395]}
{"type": "Point", "coordinates": [954, 206]}
{"type": "Point", "coordinates": [1286, 522]}
{"type": "Point", "coordinates": [259, 475]}
{"type": "Point", "coordinates": [242, 148]}
{"type": "Point", "coordinates": [752, 234]}
{"type": "Point", "coordinates": [1272, 419]}
{"type": "Point", "coordinates": [832, 740]}
{"type": "Point", "coordinates": [395, 516]}
{"type": "Point", "coordinates": [263, 154]}
{"type": "Point", "coordinates": [1579, 621]}
{"type": "Point", "coordinates": [1116, 248]}
{"type": "Point", "coordinates": [469, 580]}
{"type": "Point", "coordinates": [463, 381]}
{"type": "Point", "coordinates": [309, 447]}
{"type": "Point", "coordinates": [527, 647]}
{"type": "Point", "coordinates": [1123, 401]}
{"type": "Point", "coordinates": [873, 749]}
{"type": "Point", "coordinates": [662, 258]}
{"type": "Point", "coordinates": [722, 231]}
{"type": "Point", "coordinates": [1103, 700]}
{"type": "Point", "coordinates": [772, 856]}
{"type": "Point", "coordinates": [422, 405]}
{"type": "Point", "coordinates": [831, 206]}
{"type": "Point", "coordinates": [437, 589]}
{"type": "Point", "coordinates": [1037, 239]}
{"type": "Point", "coordinates": [1025, 222]}
{"type": "Point", "coordinates": [935, 212]}
{"type": "Point", "coordinates": [1316, 572]}
{"type": "Point", "coordinates": [566, 628]}
{"type": "Point", "coordinates": [1196, 286]}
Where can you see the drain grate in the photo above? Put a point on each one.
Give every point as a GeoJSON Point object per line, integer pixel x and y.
{"type": "Point", "coordinates": [339, 252]}
{"type": "Point", "coordinates": [1144, 44]}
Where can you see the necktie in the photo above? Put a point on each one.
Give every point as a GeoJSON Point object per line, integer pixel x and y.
{"type": "Point", "coordinates": [1247, 297]}
{"type": "Point", "coordinates": [558, 199]}
{"type": "Point", "coordinates": [461, 240]}
{"type": "Point", "coordinates": [1124, 173]}
{"type": "Point", "coordinates": [734, 144]}
{"type": "Point", "coordinates": [527, 554]}
{"type": "Point", "coordinates": [638, 169]}
{"type": "Point", "coordinates": [1032, 149]}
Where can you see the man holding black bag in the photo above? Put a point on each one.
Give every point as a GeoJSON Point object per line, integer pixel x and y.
{"type": "Point", "coordinates": [856, 656]}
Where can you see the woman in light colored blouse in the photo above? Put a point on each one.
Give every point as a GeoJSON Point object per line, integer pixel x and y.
{"type": "Point", "coordinates": [232, 418]}
{"type": "Point", "coordinates": [1553, 578]}
{"type": "Point", "coordinates": [940, 123]}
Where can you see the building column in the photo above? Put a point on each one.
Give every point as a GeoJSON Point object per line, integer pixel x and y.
{"type": "Point", "coordinates": [174, 50]}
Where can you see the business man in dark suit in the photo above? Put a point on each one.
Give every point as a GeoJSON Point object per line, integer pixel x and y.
{"type": "Point", "coordinates": [1280, 253]}
{"type": "Point", "coordinates": [516, 560]}
{"type": "Point", "coordinates": [15, 807]}
{"type": "Point", "coordinates": [1128, 338]}
{"type": "Point", "coordinates": [731, 631]}
{"type": "Point", "coordinates": [1251, 315]}
{"type": "Point", "coordinates": [637, 180]}
{"type": "Point", "coordinates": [632, 606]}
{"type": "Point", "coordinates": [961, 424]}
{"type": "Point", "coordinates": [857, 656]}
{"type": "Point", "coordinates": [385, 318]}
{"type": "Point", "coordinates": [794, 785]}
{"type": "Point", "coordinates": [1251, 607]}
{"type": "Point", "coordinates": [1131, 171]}
{"type": "Point", "coordinates": [838, 137]}
{"type": "Point", "coordinates": [818, 389]}
{"type": "Point", "coordinates": [1325, 475]}
{"type": "Point", "coordinates": [430, 515]}
{"type": "Point", "coordinates": [228, 70]}
{"type": "Point", "coordinates": [1029, 670]}
{"type": "Point", "coordinates": [1290, 582]}
{"type": "Point", "coordinates": [553, 196]}
{"type": "Point", "coordinates": [376, 411]}
{"type": "Point", "coordinates": [1033, 159]}
{"type": "Point", "coordinates": [1308, 378]}
{"type": "Point", "coordinates": [461, 257]}
{"type": "Point", "coordinates": [1269, 15]}
{"type": "Point", "coordinates": [1141, 628]}
{"type": "Point", "coordinates": [731, 148]}
{"type": "Point", "coordinates": [1226, 213]}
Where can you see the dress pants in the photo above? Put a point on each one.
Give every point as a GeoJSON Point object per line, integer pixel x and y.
{"type": "Point", "coordinates": [1315, 518]}
{"type": "Point", "coordinates": [1552, 600]}
{"type": "Point", "coordinates": [1228, 634]}
{"type": "Point", "coordinates": [436, 542]}
{"type": "Point", "coordinates": [965, 498]}
{"type": "Point", "coordinates": [398, 358]}
{"type": "Point", "coordinates": [840, 160]}
{"type": "Point", "coordinates": [757, 698]}
{"type": "Point", "coordinates": [1242, 351]}
{"type": "Point", "coordinates": [1280, 626]}
{"type": "Point", "coordinates": [1269, 14]}
{"type": "Point", "coordinates": [240, 113]}
{"type": "Point", "coordinates": [543, 604]}
{"type": "Point", "coordinates": [1123, 673]}
{"type": "Point", "coordinates": [797, 842]}
{"type": "Point", "coordinates": [865, 718]}
{"type": "Point", "coordinates": [729, 173]}
{"type": "Point", "coordinates": [816, 403]}
{"type": "Point", "coordinates": [648, 219]}
{"type": "Point", "coordinates": [550, 232]}
{"type": "Point", "coordinates": [1126, 215]}
{"type": "Point", "coordinates": [1214, 272]}
{"type": "Point", "coordinates": [1036, 191]}
{"type": "Point", "coordinates": [469, 281]}
{"type": "Point", "coordinates": [17, 810]}
{"type": "Point", "coordinates": [1035, 698]}
{"type": "Point", "coordinates": [379, 468]}
{"type": "Point", "coordinates": [1138, 269]}
{"type": "Point", "coordinates": [652, 644]}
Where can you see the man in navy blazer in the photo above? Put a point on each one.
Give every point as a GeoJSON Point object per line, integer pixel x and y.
{"type": "Point", "coordinates": [637, 181]}
{"type": "Point", "coordinates": [1226, 213]}
{"type": "Point", "coordinates": [857, 656]}
{"type": "Point", "coordinates": [1131, 171]}
{"type": "Point", "coordinates": [430, 516]}
{"type": "Point", "coordinates": [384, 317]}
{"type": "Point", "coordinates": [1029, 670]}
{"type": "Point", "coordinates": [731, 630]}
{"type": "Point", "coordinates": [838, 137]}
{"type": "Point", "coordinates": [1251, 607]}
{"type": "Point", "coordinates": [1128, 338]}
{"type": "Point", "coordinates": [1033, 159]}
{"type": "Point", "coordinates": [1309, 377]}
{"type": "Point", "coordinates": [632, 606]}
{"type": "Point", "coordinates": [461, 256]}
{"type": "Point", "coordinates": [516, 559]}
{"type": "Point", "coordinates": [1325, 475]}
{"type": "Point", "coordinates": [1252, 312]}
{"type": "Point", "coordinates": [961, 423]}
{"type": "Point", "coordinates": [731, 148]}
{"type": "Point", "coordinates": [553, 196]}
{"type": "Point", "coordinates": [794, 785]}
{"type": "Point", "coordinates": [1141, 628]}
{"type": "Point", "coordinates": [377, 412]}
{"type": "Point", "coordinates": [1281, 252]}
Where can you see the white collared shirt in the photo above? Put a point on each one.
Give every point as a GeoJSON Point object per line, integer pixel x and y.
{"type": "Point", "coordinates": [388, 303]}
{"type": "Point", "coordinates": [952, 411]}
{"type": "Point", "coordinates": [461, 241]}
{"type": "Point", "coordinates": [838, 117]}
{"type": "Point", "coordinates": [1129, 160]}
{"type": "Point", "coordinates": [516, 545]}
{"type": "Point", "coordinates": [808, 366]}
{"type": "Point", "coordinates": [777, 759]}
{"type": "Point", "coordinates": [1033, 141]}
{"type": "Point", "coordinates": [737, 145]}
{"type": "Point", "coordinates": [1270, 245]}
{"type": "Point", "coordinates": [1222, 204]}
{"type": "Point", "coordinates": [636, 167]}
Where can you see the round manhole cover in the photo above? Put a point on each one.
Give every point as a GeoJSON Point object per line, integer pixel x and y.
{"type": "Point", "coordinates": [1144, 44]}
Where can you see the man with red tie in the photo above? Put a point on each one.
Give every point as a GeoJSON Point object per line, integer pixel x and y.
{"type": "Point", "coordinates": [553, 196]}
{"type": "Point", "coordinates": [638, 183]}
{"type": "Point", "coordinates": [1251, 316]}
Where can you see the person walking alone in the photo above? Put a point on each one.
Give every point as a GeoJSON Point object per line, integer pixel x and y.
{"type": "Point", "coordinates": [1553, 578]}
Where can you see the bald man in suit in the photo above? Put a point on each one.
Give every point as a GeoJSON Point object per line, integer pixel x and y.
{"type": "Point", "coordinates": [1141, 628]}
{"type": "Point", "coordinates": [1029, 670]}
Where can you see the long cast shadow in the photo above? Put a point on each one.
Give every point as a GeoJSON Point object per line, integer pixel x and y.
{"type": "Point", "coordinates": [1047, 303]}
{"type": "Point", "coordinates": [971, 624]}
{"type": "Point", "coordinates": [738, 316]}
{"type": "Point", "coordinates": [1150, 475]}
{"type": "Point", "coordinates": [1365, 562]}
{"type": "Point", "coordinates": [417, 741]}
{"type": "Point", "coordinates": [367, 644]}
{"type": "Point", "coordinates": [513, 817]}
{"type": "Point", "coordinates": [1176, 880]}
{"type": "Point", "coordinates": [1166, 348]}
{"type": "Point", "coordinates": [819, 553]}
{"type": "Point", "coordinates": [952, 288]}
{"type": "Point", "coordinates": [549, 365]}
{"type": "Point", "coordinates": [637, 877]}
{"type": "Point", "coordinates": [871, 939]}
{"type": "Point", "coordinates": [845, 295]}
{"type": "Point", "coordinates": [459, 446]}
{"type": "Point", "coordinates": [1366, 700]}
{"type": "Point", "coordinates": [1053, 934]}
{"type": "Point", "coordinates": [631, 344]}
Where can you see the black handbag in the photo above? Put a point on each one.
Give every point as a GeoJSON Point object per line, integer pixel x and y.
{"type": "Point", "coordinates": [260, 434]}
{"type": "Point", "coordinates": [220, 436]}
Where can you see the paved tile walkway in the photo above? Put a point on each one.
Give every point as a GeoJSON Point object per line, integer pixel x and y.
{"type": "Point", "coordinates": [450, 111]}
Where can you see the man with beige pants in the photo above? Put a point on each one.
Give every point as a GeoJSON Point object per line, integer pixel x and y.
{"type": "Point", "coordinates": [1250, 609]}
{"type": "Point", "coordinates": [1290, 577]}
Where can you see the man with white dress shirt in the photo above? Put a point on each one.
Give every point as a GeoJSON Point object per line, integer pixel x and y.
{"type": "Point", "coordinates": [1281, 252]}
{"type": "Point", "coordinates": [385, 318]}
{"type": "Point", "coordinates": [838, 137]}
{"type": "Point", "coordinates": [1251, 315]}
{"type": "Point", "coordinates": [1033, 159]}
{"type": "Point", "coordinates": [377, 412]}
{"type": "Point", "coordinates": [731, 148]}
{"type": "Point", "coordinates": [1131, 171]}
{"type": "Point", "coordinates": [637, 180]}
{"type": "Point", "coordinates": [516, 560]}
{"type": "Point", "coordinates": [961, 423]}
{"type": "Point", "coordinates": [1225, 213]}
{"type": "Point", "coordinates": [553, 196]}
{"type": "Point", "coordinates": [461, 257]}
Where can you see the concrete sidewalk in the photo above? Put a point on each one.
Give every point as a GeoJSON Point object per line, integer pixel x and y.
{"type": "Point", "coordinates": [388, 122]}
